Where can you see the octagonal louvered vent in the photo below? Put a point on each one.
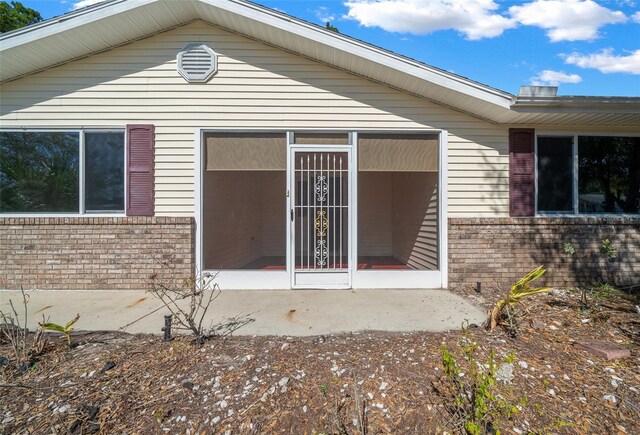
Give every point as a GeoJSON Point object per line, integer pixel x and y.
{"type": "Point", "coordinates": [197, 63]}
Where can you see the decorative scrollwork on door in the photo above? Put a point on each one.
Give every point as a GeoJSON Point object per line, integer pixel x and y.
{"type": "Point", "coordinates": [321, 223]}
{"type": "Point", "coordinates": [322, 187]}
{"type": "Point", "coordinates": [322, 253]}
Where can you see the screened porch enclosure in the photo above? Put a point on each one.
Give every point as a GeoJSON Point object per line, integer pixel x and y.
{"type": "Point", "coordinates": [397, 202]}
{"type": "Point", "coordinates": [321, 210]}
{"type": "Point", "coordinates": [244, 217]}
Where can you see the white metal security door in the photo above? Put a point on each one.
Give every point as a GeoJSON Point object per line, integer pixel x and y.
{"type": "Point", "coordinates": [320, 217]}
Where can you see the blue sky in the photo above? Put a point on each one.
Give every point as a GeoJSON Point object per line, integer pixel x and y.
{"type": "Point", "coordinates": [587, 47]}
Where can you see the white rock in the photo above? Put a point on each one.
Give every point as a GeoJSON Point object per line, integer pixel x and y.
{"type": "Point", "coordinates": [614, 384]}
{"type": "Point", "coordinates": [230, 413]}
{"type": "Point", "coordinates": [516, 430]}
{"type": "Point", "coordinates": [610, 398]}
{"type": "Point", "coordinates": [586, 320]}
{"type": "Point", "coordinates": [615, 378]}
{"type": "Point", "coordinates": [370, 396]}
{"type": "Point", "coordinates": [304, 408]}
{"type": "Point", "coordinates": [284, 346]}
{"type": "Point", "coordinates": [633, 389]}
{"type": "Point", "coordinates": [566, 377]}
{"type": "Point", "coordinates": [223, 404]}
{"type": "Point", "coordinates": [523, 364]}
{"type": "Point", "coordinates": [551, 392]}
{"type": "Point", "coordinates": [505, 373]}
{"type": "Point", "coordinates": [383, 386]}
{"type": "Point", "coordinates": [284, 381]}
{"type": "Point", "coordinates": [7, 420]}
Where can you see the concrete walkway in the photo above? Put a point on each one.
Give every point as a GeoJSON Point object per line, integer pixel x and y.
{"type": "Point", "coordinates": [259, 312]}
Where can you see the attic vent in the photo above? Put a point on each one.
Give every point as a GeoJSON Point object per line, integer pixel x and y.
{"type": "Point", "coordinates": [197, 63]}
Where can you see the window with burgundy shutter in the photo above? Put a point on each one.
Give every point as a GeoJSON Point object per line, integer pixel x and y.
{"type": "Point", "coordinates": [521, 172]}
{"type": "Point", "coordinates": [140, 144]}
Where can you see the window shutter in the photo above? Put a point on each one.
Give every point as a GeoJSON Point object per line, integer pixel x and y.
{"type": "Point", "coordinates": [521, 172]}
{"type": "Point", "coordinates": [140, 144]}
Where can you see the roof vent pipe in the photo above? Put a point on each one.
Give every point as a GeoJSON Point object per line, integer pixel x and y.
{"type": "Point", "coordinates": [538, 91]}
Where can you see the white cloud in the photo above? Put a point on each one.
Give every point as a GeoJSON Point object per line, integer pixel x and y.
{"type": "Point", "coordinates": [567, 20]}
{"type": "Point", "coordinates": [606, 62]}
{"type": "Point", "coordinates": [323, 14]}
{"type": "Point", "coordinates": [476, 19]}
{"type": "Point", "coordinates": [554, 78]}
{"type": "Point", "coordinates": [85, 3]}
{"type": "Point", "coordinates": [636, 17]}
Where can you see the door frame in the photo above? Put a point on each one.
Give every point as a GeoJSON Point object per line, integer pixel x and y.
{"type": "Point", "coordinates": [351, 151]}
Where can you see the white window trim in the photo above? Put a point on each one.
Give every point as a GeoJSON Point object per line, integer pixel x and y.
{"type": "Point", "coordinates": [81, 153]}
{"type": "Point", "coordinates": [574, 135]}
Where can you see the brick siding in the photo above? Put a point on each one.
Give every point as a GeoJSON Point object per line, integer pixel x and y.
{"type": "Point", "coordinates": [92, 252]}
{"type": "Point", "coordinates": [499, 251]}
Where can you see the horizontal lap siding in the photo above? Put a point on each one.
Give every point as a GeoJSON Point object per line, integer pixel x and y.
{"type": "Point", "coordinates": [257, 86]}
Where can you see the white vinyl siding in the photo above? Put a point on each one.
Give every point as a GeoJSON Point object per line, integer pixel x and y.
{"type": "Point", "coordinates": [256, 87]}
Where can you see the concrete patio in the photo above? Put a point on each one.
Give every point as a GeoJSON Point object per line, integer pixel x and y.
{"type": "Point", "coordinates": [259, 312]}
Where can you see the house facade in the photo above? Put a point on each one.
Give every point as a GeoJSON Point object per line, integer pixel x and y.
{"type": "Point", "coordinates": [222, 136]}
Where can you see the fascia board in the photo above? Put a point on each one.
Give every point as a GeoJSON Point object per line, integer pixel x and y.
{"type": "Point", "coordinates": [68, 22]}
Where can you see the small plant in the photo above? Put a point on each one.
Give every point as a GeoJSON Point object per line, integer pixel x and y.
{"type": "Point", "coordinates": [470, 395]}
{"type": "Point", "coordinates": [187, 299]}
{"type": "Point", "coordinates": [608, 250]}
{"type": "Point", "coordinates": [66, 330]}
{"type": "Point", "coordinates": [568, 248]}
{"type": "Point", "coordinates": [589, 287]}
{"type": "Point", "coordinates": [25, 351]}
{"type": "Point", "coordinates": [517, 292]}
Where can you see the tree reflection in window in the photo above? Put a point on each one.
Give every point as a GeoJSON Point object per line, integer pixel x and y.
{"type": "Point", "coordinates": [39, 172]}
{"type": "Point", "coordinates": [609, 174]}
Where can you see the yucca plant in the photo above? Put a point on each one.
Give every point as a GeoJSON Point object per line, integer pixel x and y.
{"type": "Point", "coordinates": [66, 329]}
{"type": "Point", "coordinates": [521, 289]}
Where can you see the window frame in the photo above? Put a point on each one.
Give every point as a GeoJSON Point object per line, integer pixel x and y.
{"type": "Point", "coordinates": [576, 200]}
{"type": "Point", "coordinates": [81, 171]}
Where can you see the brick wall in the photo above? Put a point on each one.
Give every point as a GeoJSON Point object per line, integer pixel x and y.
{"type": "Point", "coordinates": [499, 251]}
{"type": "Point", "coordinates": [92, 252]}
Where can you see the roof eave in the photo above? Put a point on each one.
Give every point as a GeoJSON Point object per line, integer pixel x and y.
{"type": "Point", "coordinates": [579, 104]}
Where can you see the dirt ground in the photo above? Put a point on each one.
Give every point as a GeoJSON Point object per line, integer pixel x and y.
{"type": "Point", "coordinates": [369, 382]}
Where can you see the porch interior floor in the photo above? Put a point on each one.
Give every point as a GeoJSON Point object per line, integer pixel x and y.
{"type": "Point", "coordinates": [364, 263]}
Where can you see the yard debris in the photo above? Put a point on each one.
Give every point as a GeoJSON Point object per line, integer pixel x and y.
{"type": "Point", "coordinates": [385, 384]}
{"type": "Point", "coordinates": [609, 351]}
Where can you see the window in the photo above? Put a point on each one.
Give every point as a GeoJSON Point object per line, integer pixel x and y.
{"type": "Point", "coordinates": [588, 174]}
{"type": "Point", "coordinates": [555, 174]}
{"type": "Point", "coordinates": [62, 172]}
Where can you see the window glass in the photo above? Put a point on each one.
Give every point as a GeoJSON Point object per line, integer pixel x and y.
{"type": "Point", "coordinates": [39, 172]}
{"type": "Point", "coordinates": [104, 172]}
{"type": "Point", "coordinates": [555, 174]}
{"type": "Point", "coordinates": [608, 174]}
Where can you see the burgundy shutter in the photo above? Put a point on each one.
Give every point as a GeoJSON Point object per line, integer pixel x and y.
{"type": "Point", "coordinates": [140, 142]}
{"type": "Point", "coordinates": [521, 172]}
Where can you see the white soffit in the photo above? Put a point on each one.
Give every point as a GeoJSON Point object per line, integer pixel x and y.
{"type": "Point", "coordinates": [116, 22]}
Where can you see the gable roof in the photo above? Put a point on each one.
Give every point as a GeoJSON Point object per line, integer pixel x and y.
{"type": "Point", "coordinates": [116, 22]}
